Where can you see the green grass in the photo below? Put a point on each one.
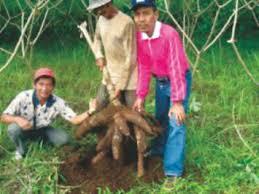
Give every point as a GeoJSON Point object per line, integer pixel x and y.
{"type": "Point", "coordinates": [217, 161]}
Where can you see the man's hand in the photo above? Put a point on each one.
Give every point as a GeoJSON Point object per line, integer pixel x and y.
{"type": "Point", "coordinates": [77, 120]}
{"type": "Point", "coordinates": [117, 93]}
{"type": "Point", "coordinates": [138, 105]}
{"type": "Point", "coordinates": [100, 63]}
{"type": "Point", "coordinates": [93, 105]}
{"type": "Point", "coordinates": [177, 110]}
{"type": "Point", "coordinates": [23, 123]}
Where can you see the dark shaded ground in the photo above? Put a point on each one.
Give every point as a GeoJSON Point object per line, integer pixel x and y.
{"type": "Point", "coordinates": [77, 170]}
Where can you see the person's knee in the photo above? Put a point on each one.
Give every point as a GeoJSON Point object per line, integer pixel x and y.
{"type": "Point", "coordinates": [64, 139]}
{"type": "Point", "coordinates": [57, 137]}
{"type": "Point", "coordinates": [14, 130]}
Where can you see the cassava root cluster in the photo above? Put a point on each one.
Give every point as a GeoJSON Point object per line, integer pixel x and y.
{"type": "Point", "coordinates": [119, 122]}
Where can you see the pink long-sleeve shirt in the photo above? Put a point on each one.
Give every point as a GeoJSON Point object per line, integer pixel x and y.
{"type": "Point", "coordinates": [162, 55]}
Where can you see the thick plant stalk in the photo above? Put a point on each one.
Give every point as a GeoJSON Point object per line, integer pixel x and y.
{"type": "Point", "coordinates": [140, 137]}
{"type": "Point", "coordinates": [116, 144]}
{"type": "Point", "coordinates": [141, 147]}
{"type": "Point", "coordinates": [136, 119]}
{"type": "Point", "coordinates": [99, 157]}
{"type": "Point", "coordinates": [105, 142]}
{"type": "Point", "coordinates": [153, 123]}
{"type": "Point", "coordinates": [98, 119]}
{"type": "Point", "coordinates": [121, 124]}
{"type": "Point", "coordinates": [88, 125]}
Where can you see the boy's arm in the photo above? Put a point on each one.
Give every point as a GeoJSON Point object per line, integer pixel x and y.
{"type": "Point", "coordinates": [77, 120]}
{"type": "Point", "coordinates": [11, 113]}
{"type": "Point", "coordinates": [22, 122]}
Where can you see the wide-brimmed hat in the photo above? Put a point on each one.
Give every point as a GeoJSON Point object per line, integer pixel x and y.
{"type": "Point", "coordinates": [93, 4]}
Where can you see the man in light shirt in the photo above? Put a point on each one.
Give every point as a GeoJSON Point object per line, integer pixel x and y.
{"type": "Point", "coordinates": [160, 54]}
{"type": "Point", "coordinates": [31, 113]}
{"type": "Point", "coordinates": [115, 53]}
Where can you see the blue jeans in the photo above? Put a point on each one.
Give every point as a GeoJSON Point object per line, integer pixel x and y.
{"type": "Point", "coordinates": [49, 134]}
{"type": "Point", "coordinates": [171, 143]}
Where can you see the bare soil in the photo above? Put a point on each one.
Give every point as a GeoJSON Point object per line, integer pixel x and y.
{"type": "Point", "coordinates": [77, 170]}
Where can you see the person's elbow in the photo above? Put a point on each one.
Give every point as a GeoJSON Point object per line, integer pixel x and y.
{"type": "Point", "coordinates": [3, 118]}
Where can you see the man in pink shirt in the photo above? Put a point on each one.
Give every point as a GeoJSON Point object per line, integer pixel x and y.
{"type": "Point", "coordinates": [161, 54]}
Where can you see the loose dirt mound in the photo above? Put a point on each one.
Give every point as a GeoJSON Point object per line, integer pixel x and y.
{"type": "Point", "coordinates": [78, 170]}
